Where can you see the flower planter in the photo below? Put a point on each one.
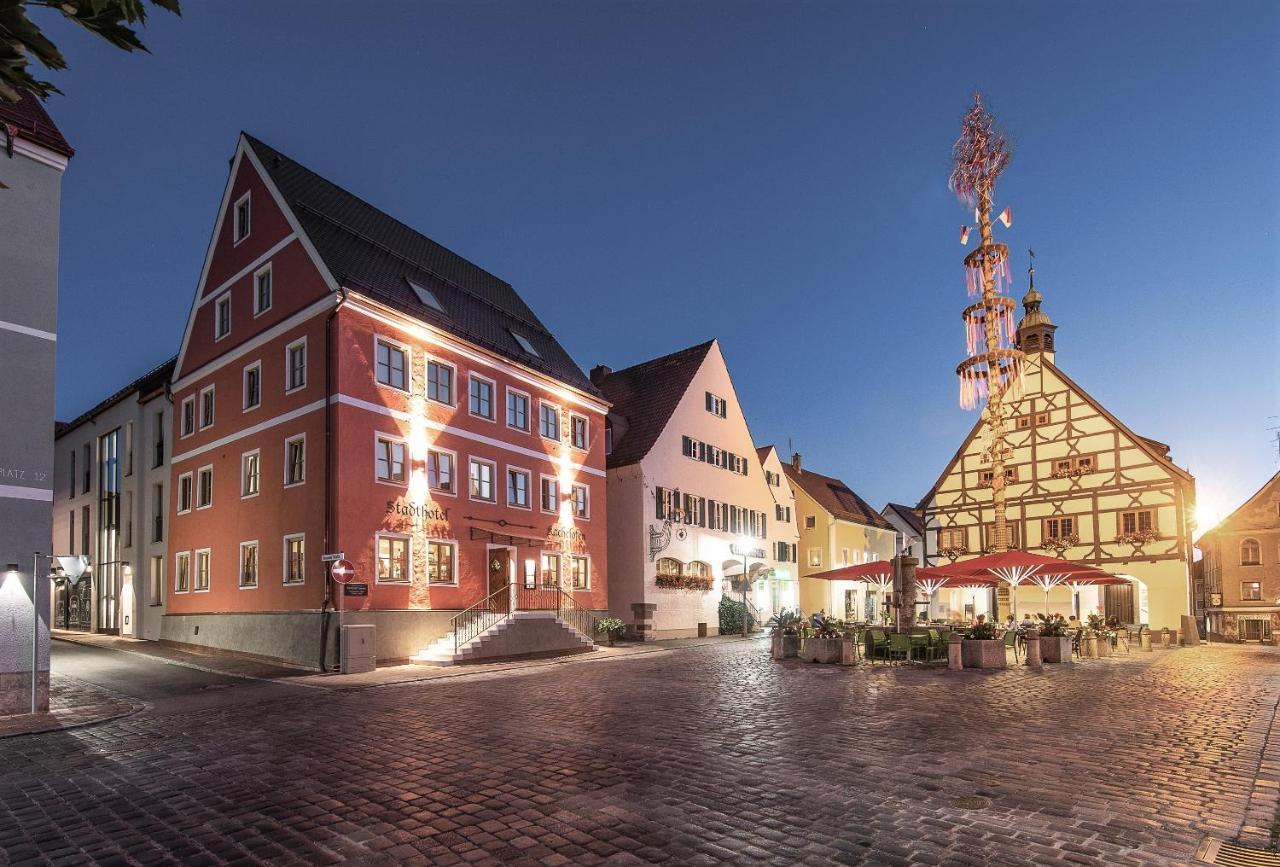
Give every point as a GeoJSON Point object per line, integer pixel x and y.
{"type": "Point", "coordinates": [1055, 648]}
{"type": "Point", "coordinates": [1104, 645]}
{"type": "Point", "coordinates": [982, 653]}
{"type": "Point", "coordinates": [827, 650]}
{"type": "Point", "coordinates": [784, 646]}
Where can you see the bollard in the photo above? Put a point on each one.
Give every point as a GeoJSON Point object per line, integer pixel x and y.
{"type": "Point", "coordinates": [1144, 640]}
{"type": "Point", "coordinates": [1164, 638]}
{"type": "Point", "coordinates": [954, 660]}
{"type": "Point", "coordinates": [1032, 642]}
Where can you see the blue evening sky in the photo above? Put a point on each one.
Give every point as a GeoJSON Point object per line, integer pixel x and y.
{"type": "Point", "coordinates": [649, 175]}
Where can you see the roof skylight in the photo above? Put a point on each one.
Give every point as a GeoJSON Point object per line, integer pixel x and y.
{"type": "Point", "coordinates": [525, 344]}
{"type": "Point", "coordinates": [425, 295]}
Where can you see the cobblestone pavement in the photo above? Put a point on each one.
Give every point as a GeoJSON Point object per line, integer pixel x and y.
{"type": "Point", "coordinates": [72, 703]}
{"type": "Point", "coordinates": [702, 755]}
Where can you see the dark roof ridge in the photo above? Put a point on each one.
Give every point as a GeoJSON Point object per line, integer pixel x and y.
{"type": "Point", "coordinates": [705, 345]}
{"type": "Point", "coordinates": [164, 367]}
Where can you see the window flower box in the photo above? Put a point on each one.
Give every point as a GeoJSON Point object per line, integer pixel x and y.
{"type": "Point", "coordinates": [1139, 537]}
{"type": "Point", "coordinates": [679, 581]}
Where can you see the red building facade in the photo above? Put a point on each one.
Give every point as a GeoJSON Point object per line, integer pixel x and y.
{"type": "Point", "coordinates": [347, 385]}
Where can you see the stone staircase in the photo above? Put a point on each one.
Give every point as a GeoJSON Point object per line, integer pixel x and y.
{"type": "Point", "coordinates": [524, 633]}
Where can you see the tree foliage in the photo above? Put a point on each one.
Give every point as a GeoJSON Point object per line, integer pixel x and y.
{"type": "Point", "coordinates": [21, 40]}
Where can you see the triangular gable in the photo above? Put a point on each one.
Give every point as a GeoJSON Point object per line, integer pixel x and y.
{"type": "Point", "coordinates": [244, 154]}
{"type": "Point", "coordinates": [1226, 522]}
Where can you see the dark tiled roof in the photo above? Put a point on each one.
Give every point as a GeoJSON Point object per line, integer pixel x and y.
{"type": "Point", "coordinates": [156, 377]}
{"type": "Point", "coordinates": [836, 497]}
{"type": "Point", "coordinates": [644, 397]}
{"type": "Point", "coordinates": [34, 124]}
{"type": "Point", "coordinates": [374, 254]}
{"type": "Point", "coordinates": [908, 515]}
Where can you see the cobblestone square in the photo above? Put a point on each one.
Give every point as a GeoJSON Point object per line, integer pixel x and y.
{"type": "Point", "coordinates": [700, 755]}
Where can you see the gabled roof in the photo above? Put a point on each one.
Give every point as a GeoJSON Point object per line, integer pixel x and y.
{"type": "Point", "coordinates": [762, 452]}
{"type": "Point", "coordinates": [153, 379]}
{"type": "Point", "coordinates": [34, 124]}
{"type": "Point", "coordinates": [1225, 523]}
{"type": "Point", "coordinates": [907, 515]}
{"type": "Point", "coordinates": [1157, 451]}
{"type": "Point", "coordinates": [376, 255]}
{"type": "Point", "coordinates": [835, 496]}
{"type": "Point", "coordinates": [644, 397]}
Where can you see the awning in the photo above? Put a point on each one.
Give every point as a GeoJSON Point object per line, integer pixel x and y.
{"type": "Point", "coordinates": [508, 537]}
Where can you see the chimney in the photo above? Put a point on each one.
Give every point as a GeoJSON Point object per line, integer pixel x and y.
{"type": "Point", "coordinates": [599, 374]}
{"type": "Point", "coordinates": [795, 461]}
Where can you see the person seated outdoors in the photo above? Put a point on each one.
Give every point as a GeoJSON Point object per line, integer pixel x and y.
{"type": "Point", "coordinates": [979, 620]}
{"type": "Point", "coordinates": [818, 618]}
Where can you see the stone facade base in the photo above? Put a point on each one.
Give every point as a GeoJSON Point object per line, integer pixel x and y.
{"type": "Point", "coordinates": [983, 654]}
{"type": "Point", "coordinates": [15, 693]}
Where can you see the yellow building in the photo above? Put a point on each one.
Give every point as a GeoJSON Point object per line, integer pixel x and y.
{"type": "Point", "coordinates": [1081, 485]}
{"type": "Point", "coordinates": [837, 528]}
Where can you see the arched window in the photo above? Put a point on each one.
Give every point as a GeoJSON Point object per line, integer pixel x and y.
{"type": "Point", "coordinates": [1250, 553]}
{"type": "Point", "coordinates": [669, 566]}
{"type": "Point", "coordinates": [698, 569]}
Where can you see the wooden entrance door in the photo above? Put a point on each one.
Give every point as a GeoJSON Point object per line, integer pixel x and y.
{"type": "Point", "coordinates": [499, 572]}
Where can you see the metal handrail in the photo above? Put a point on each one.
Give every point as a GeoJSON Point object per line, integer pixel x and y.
{"type": "Point", "coordinates": [576, 616]}
{"type": "Point", "coordinates": [493, 609]}
{"type": "Point", "coordinates": [755, 613]}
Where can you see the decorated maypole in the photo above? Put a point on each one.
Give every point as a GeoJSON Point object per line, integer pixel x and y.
{"type": "Point", "coordinates": [993, 368]}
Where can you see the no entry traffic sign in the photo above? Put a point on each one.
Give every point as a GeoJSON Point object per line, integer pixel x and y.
{"type": "Point", "coordinates": [342, 571]}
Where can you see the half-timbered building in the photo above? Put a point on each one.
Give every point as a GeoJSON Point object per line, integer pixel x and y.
{"type": "Point", "coordinates": [1081, 485]}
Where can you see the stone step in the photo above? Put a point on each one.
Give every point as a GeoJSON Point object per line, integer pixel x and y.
{"type": "Point", "coordinates": [523, 633]}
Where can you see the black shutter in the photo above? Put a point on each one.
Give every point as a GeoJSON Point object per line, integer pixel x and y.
{"type": "Point", "coordinates": [657, 496]}
{"type": "Point", "coordinates": [710, 407]}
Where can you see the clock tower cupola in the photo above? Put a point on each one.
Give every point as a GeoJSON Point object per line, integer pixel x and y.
{"type": "Point", "coordinates": [1035, 329]}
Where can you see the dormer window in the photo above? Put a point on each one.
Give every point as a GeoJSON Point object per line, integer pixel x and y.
{"type": "Point", "coordinates": [241, 230]}
{"type": "Point", "coordinates": [426, 296]}
{"type": "Point", "coordinates": [524, 344]}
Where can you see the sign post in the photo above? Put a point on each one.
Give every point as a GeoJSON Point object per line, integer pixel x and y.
{"type": "Point", "coordinates": [341, 570]}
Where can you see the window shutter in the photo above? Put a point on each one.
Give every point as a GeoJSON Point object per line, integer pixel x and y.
{"type": "Point", "coordinates": [686, 445]}
{"type": "Point", "coordinates": [658, 497]}
{"type": "Point", "coordinates": [709, 406]}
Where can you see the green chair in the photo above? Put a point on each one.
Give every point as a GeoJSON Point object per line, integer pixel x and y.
{"type": "Point", "coordinates": [937, 647]}
{"type": "Point", "coordinates": [899, 646]}
{"type": "Point", "coordinates": [1011, 642]}
{"type": "Point", "coordinates": [877, 645]}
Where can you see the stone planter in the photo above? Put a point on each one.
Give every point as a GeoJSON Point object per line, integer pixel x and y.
{"type": "Point", "coordinates": [1055, 648]}
{"type": "Point", "coordinates": [982, 653]}
{"type": "Point", "coordinates": [828, 650]}
{"type": "Point", "coordinates": [783, 646]}
{"type": "Point", "coordinates": [1089, 647]}
{"type": "Point", "coordinates": [1104, 645]}
{"type": "Point", "coordinates": [848, 651]}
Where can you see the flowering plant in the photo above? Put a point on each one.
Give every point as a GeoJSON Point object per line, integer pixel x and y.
{"type": "Point", "coordinates": [680, 581]}
{"type": "Point", "coordinates": [982, 632]}
{"type": "Point", "coordinates": [1138, 537]}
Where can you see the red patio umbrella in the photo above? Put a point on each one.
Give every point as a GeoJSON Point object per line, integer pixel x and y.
{"type": "Point", "coordinates": [877, 572]}
{"type": "Point", "coordinates": [1015, 567]}
{"type": "Point", "coordinates": [933, 579]}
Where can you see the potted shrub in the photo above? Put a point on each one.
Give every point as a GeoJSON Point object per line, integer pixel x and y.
{"type": "Point", "coordinates": [1055, 641]}
{"type": "Point", "coordinates": [785, 626]}
{"type": "Point", "coordinates": [982, 647]}
{"type": "Point", "coordinates": [611, 628]}
{"type": "Point", "coordinates": [826, 644]}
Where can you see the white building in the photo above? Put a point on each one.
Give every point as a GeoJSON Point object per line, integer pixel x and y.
{"type": "Point", "coordinates": [910, 526]}
{"type": "Point", "coordinates": [780, 586]}
{"type": "Point", "coordinates": [686, 495]}
{"type": "Point", "coordinates": [111, 472]}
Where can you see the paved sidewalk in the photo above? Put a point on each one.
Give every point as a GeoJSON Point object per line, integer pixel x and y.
{"type": "Point", "coordinates": [72, 703]}
{"type": "Point", "coordinates": [222, 663]}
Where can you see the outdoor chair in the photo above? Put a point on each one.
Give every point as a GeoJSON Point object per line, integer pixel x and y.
{"type": "Point", "coordinates": [937, 645]}
{"type": "Point", "coordinates": [1011, 643]}
{"type": "Point", "coordinates": [899, 646]}
{"type": "Point", "coordinates": [877, 645]}
{"type": "Point", "coordinates": [1075, 642]}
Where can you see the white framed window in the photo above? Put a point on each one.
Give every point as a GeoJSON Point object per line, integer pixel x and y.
{"type": "Point", "coordinates": [295, 366]}
{"type": "Point", "coordinates": [184, 493]}
{"type": "Point", "coordinates": [442, 562]}
{"type": "Point", "coordinates": [440, 379]}
{"type": "Point", "coordinates": [252, 386]}
{"type": "Point", "coordinates": [578, 432]}
{"type": "Point", "coordinates": [550, 570]}
{"type": "Point", "coordinates": [517, 410]}
{"type": "Point", "coordinates": [250, 473]}
{"type": "Point", "coordinates": [200, 581]}
{"type": "Point", "coordinates": [222, 316]}
{"type": "Point", "coordinates": [481, 473]}
{"type": "Point", "coordinates": [242, 217]}
{"type": "Point", "coordinates": [549, 491]}
{"type": "Point", "coordinates": [182, 572]}
{"type": "Point", "coordinates": [204, 487]}
{"type": "Point", "coordinates": [440, 471]}
{"type": "Point", "coordinates": [480, 392]}
{"type": "Point", "coordinates": [295, 558]}
{"type": "Point", "coordinates": [581, 504]}
{"type": "Point", "coordinates": [548, 420]}
{"type": "Point", "coordinates": [518, 488]}
{"type": "Point", "coordinates": [262, 290]}
{"type": "Point", "coordinates": [394, 557]}
{"type": "Point", "coordinates": [207, 406]}
{"type": "Point", "coordinates": [187, 423]}
{"type": "Point", "coordinates": [389, 454]}
{"type": "Point", "coordinates": [391, 364]}
{"type": "Point", "coordinates": [716, 405]}
{"type": "Point", "coordinates": [295, 460]}
{"type": "Point", "coordinates": [249, 565]}
{"type": "Point", "coordinates": [815, 556]}
{"type": "Point", "coordinates": [580, 572]}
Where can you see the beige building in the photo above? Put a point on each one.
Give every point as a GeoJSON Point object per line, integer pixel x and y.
{"type": "Point", "coordinates": [1081, 485]}
{"type": "Point", "coordinates": [1242, 569]}
{"type": "Point", "coordinates": [837, 528]}
{"type": "Point", "coordinates": [779, 585]}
